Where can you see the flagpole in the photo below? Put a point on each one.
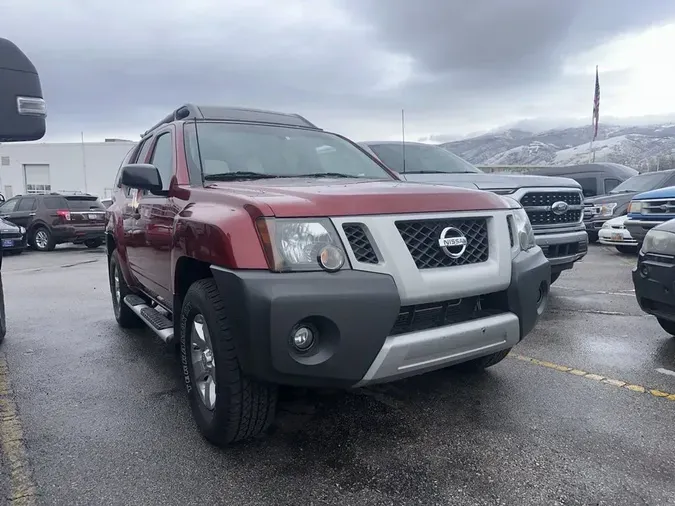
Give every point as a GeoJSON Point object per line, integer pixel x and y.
{"type": "Point", "coordinates": [595, 117]}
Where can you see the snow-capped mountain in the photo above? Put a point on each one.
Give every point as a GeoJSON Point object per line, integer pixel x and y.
{"type": "Point", "coordinates": [636, 146]}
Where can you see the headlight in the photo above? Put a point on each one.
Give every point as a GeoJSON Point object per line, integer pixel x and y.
{"type": "Point", "coordinates": [301, 244]}
{"type": "Point", "coordinates": [22, 230]}
{"type": "Point", "coordinates": [659, 241]}
{"type": "Point", "coordinates": [635, 206]}
{"type": "Point", "coordinates": [524, 232]}
{"type": "Point", "coordinates": [606, 209]}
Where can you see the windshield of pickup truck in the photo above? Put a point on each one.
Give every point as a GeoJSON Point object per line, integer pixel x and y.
{"type": "Point", "coordinates": [235, 151]}
{"type": "Point", "coordinates": [642, 183]}
{"type": "Point", "coordinates": [422, 159]}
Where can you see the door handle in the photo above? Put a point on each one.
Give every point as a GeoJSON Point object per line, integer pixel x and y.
{"type": "Point", "coordinates": [31, 214]}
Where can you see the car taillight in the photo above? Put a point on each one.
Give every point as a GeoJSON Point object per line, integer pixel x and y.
{"type": "Point", "coordinates": [63, 214]}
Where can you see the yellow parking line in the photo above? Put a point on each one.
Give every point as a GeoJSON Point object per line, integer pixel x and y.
{"type": "Point", "coordinates": [595, 377]}
{"type": "Point", "coordinates": [22, 488]}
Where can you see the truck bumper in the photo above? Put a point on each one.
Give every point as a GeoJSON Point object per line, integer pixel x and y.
{"type": "Point", "coordinates": [563, 248]}
{"type": "Point", "coordinates": [655, 287]}
{"type": "Point", "coordinates": [363, 334]}
{"type": "Point", "coordinates": [638, 228]}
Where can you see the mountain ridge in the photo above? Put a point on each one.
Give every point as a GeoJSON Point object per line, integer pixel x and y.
{"type": "Point", "coordinates": [638, 146]}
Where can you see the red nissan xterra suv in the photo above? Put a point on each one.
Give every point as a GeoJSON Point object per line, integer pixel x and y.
{"type": "Point", "coordinates": [275, 253]}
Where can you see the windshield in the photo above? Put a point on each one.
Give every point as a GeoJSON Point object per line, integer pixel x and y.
{"type": "Point", "coordinates": [229, 151]}
{"type": "Point", "coordinates": [641, 183]}
{"type": "Point", "coordinates": [421, 158]}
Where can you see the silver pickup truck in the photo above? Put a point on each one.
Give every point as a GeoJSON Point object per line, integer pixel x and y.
{"type": "Point", "coordinates": [553, 204]}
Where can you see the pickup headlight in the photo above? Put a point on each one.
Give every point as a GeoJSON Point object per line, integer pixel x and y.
{"type": "Point", "coordinates": [524, 232]}
{"type": "Point", "coordinates": [606, 210]}
{"type": "Point", "coordinates": [301, 244]}
{"type": "Point", "coordinates": [660, 242]}
{"type": "Point", "coordinates": [635, 206]}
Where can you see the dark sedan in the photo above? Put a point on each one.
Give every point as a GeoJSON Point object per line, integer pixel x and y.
{"type": "Point", "coordinates": [654, 275]}
{"type": "Point", "coordinates": [13, 237]}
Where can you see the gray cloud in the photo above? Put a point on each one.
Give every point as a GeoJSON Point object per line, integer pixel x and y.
{"type": "Point", "coordinates": [117, 66]}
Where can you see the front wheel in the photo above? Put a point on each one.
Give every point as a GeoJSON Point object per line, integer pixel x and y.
{"type": "Point", "coordinates": [42, 240]}
{"type": "Point", "coordinates": [667, 325]}
{"type": "Point", "coordinates": [227, 405]}
{"type": "Point", "coordinates": [482, 363]}
{"type": "Point", "coordinates": [125, 317]}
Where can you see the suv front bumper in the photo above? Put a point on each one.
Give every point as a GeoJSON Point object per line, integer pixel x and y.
{"type": "Point", "coordinates": [355, 313]}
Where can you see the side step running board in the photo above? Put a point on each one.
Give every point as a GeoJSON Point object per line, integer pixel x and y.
{"type": "Point", "coordinates": [157, 322]}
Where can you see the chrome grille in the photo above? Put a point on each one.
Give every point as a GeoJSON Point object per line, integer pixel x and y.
{"type": "Point", "coordinates": [422, 236]}
{"type": "Point", "coordinates": [539, 207]}
{"type": "Point", "coordinates": [358, 240]}
{"type": "Point", "coordinates": [660, 206]}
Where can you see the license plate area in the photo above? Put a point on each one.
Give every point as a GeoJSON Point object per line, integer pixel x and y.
{"type": "Point", "coordinates": [7, 243]}
{"type": "Point", "coordinates": [92, 217]}
{"type": "Point", "coordinates": [617, 237]}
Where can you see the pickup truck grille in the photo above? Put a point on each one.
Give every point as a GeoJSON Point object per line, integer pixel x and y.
{"type": "Point", "coordinates": [358, 240]}
{"type": "Point", "coordinates": [660, 206]}
{"type": "Point", "coordinates": [422, 236]}
{"type": "Point", "coordinates": [539, 207]}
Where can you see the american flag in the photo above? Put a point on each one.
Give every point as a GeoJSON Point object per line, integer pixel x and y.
{"type": "Point", "coordinates": [596, 104]}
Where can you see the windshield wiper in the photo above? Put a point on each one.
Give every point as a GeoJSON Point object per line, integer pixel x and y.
{"type": "Point", "coordinates": [242, 174]}
{"type": "Point", "coordinates": [323, 174]}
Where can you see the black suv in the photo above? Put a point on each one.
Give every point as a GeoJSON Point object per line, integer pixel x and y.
{"type": "Point", "coordinates": [57, 218]}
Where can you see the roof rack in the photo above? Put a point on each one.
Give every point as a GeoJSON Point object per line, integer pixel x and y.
{"type": "Point", "coordinates": [239, 114]}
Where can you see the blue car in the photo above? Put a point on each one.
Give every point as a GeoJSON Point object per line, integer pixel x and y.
{"type": "Point", "coordinates": [649, 209]}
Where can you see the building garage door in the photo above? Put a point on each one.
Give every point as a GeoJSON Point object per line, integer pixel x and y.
{"type": "Point", "coordinates": [36, 178]}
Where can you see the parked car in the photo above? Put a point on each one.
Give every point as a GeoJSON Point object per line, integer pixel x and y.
{"type": "Point", "coordinates": [282, 271]}
{"type": "Point", "coordinates": [597, 210]}
{"type": "Point", "coordinates": [654, 275]}
{"type": "Point", "coordinates": [614, 233]}
{"type": "Point", "coordinates": [598, 178]}
{"type": "Point", "coordinates": [56, 218]}
{"type": "Point", "coordinates": [649, 209]}
{"type": "Point", "coordinates": [13, 238]}
{"type": "Point", "coordinates": [22, 115]}
{"type": "Point", "coordinates": [553, 205]}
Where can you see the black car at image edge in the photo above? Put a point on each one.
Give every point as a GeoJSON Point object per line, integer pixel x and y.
{"type": "Point", "coordinates": [654, 275]}
{"type": "Point", "coordinates": [13, 237]}
{"type": "Point", "coordinates": [57, 218]}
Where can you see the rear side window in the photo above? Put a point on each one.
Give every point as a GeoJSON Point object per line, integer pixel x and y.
{"type": "Point", "coordinates": [27, 204]}
{"type": "Point", "coordinates": [55, 203]}
{"type": "Point", "coordinates": [589, 185]}
{"type": "Point", "coordinates": [84, 204]}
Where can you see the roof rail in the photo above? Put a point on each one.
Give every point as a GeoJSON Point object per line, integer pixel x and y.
{"type": "Point", "coordinates": [240, 114]}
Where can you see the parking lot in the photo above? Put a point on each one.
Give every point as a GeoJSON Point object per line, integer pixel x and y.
{"type": "Point", "coordinates": [581, 413]}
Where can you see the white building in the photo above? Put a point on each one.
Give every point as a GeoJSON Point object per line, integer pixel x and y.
{"type": "Point", "coordinates": [36, 167]}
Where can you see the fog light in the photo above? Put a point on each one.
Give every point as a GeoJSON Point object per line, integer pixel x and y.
{"type": "Point", "coordinates": [302, 338]}
{"type": "Point", "coordinates": [331, 258]}
{"type": "Point", "coordinates": [644, 269]}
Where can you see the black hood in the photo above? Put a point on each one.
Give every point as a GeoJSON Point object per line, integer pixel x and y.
{"type": "Point", "coordinates": [6, 225]}
{"type": "Point", "coordinates": [619, 198]}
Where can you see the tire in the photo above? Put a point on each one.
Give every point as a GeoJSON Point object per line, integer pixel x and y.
{"type": "Point", "coordinates": [93, 243]}
{"type": "Point", "coordinates": [125, 317]}
{"type": "Point", "coordinates": [554, 277]}
{"type": "Point", "coordinates": [626, 250]}
{"type": "Point", "coordinates": [482, 363]}
{"type": "Point", "coordinates": [242, 408]}
{"type": "Point", "coordinates": [42, 239]}
{"type": "Point", "coordinates": [667, 325]}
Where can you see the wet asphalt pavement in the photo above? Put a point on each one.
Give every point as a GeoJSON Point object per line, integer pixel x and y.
{"type": "Point", "coordinates": [105, 419]}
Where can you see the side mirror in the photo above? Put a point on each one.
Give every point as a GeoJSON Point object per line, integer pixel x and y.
{"type": "Point", "coordinates": [142, 176]}
{"type": "Point", "coordinates": [22, 108]}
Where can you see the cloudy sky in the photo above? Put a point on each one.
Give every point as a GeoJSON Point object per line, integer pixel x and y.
{"type": "Point", "coordinates": [112, 68]}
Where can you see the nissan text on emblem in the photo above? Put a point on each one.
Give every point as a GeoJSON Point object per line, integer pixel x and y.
{"type": "Point", "coordinates": [452, 242]}
{"type": "Point", "coordinates": [559, 207]}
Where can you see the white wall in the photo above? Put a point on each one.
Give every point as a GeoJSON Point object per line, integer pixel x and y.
{"type": "Point", "coordinates": [67, 165]}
